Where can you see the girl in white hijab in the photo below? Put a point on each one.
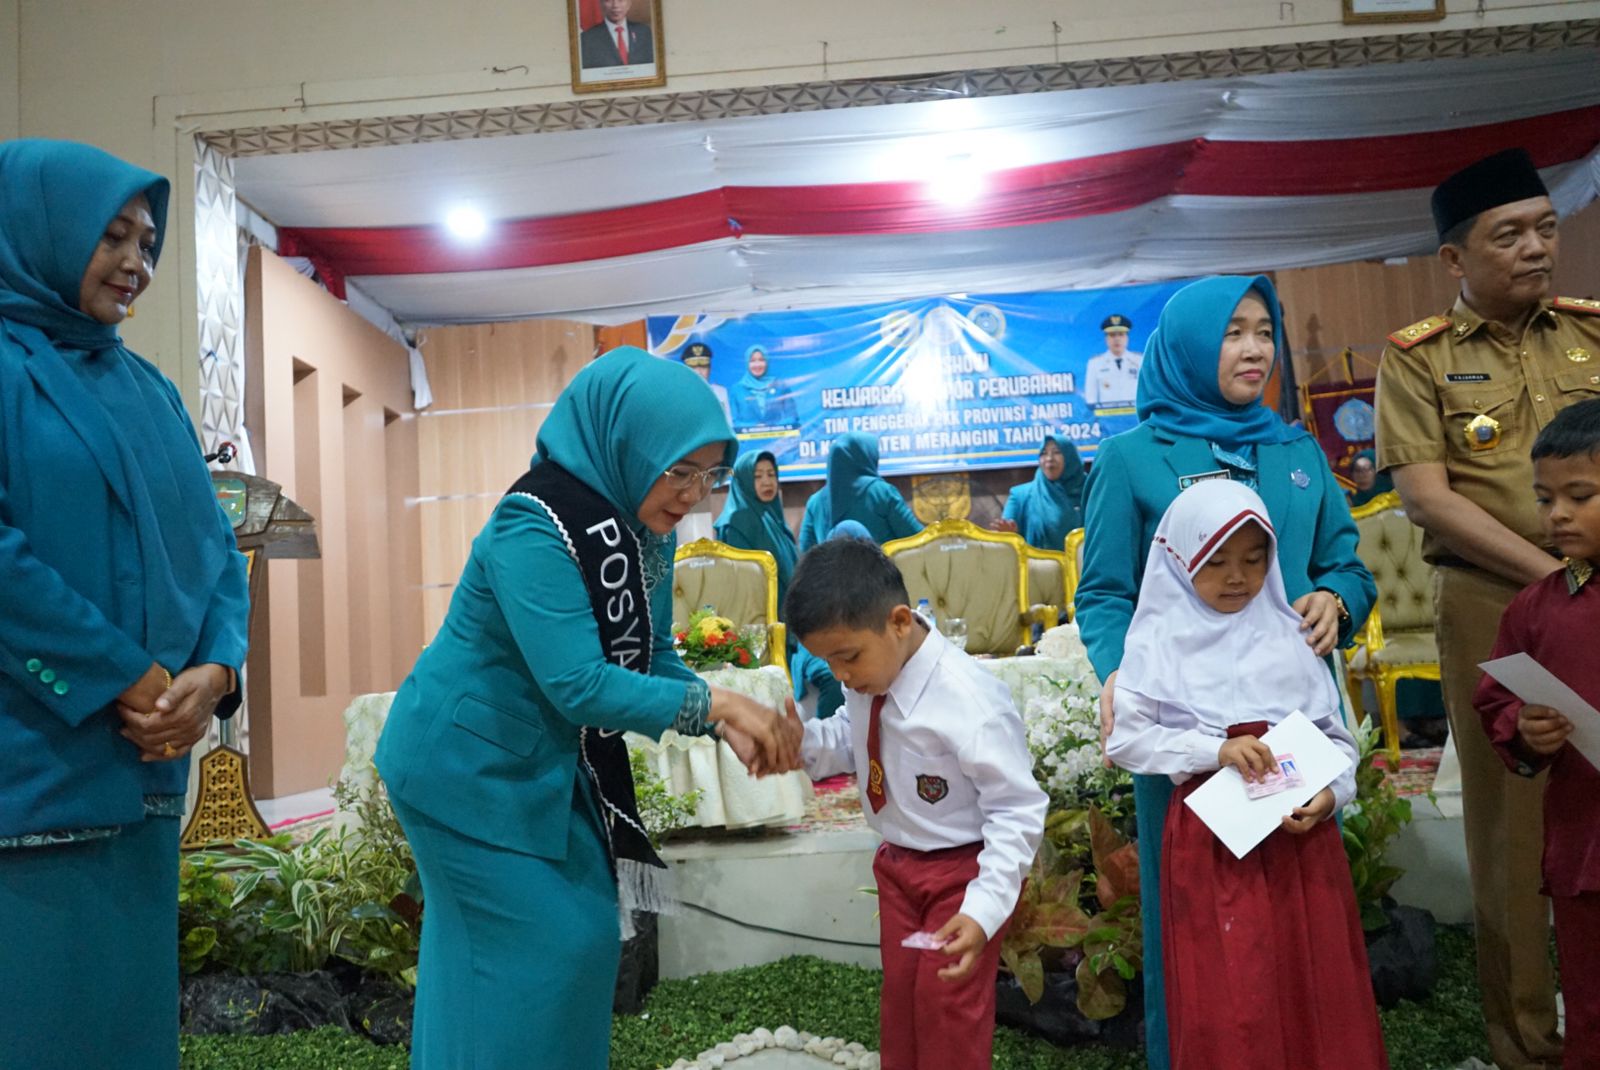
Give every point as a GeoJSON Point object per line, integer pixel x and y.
{"type": "Point", "coordinates": [1264, 956]}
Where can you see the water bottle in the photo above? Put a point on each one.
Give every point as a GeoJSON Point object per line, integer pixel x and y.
{"type": "Point", "coordinates": [925, 611]}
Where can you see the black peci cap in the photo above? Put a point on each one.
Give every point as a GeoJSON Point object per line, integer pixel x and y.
{"type": "Point", "coordinates": [1504, 178]}
{"type": "Point", "coordinates": [697, 355]}
{"type": "Point", "coordinates": [1115, 322]}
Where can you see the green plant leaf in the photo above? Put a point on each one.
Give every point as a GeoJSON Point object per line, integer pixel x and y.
{"type": "Point", "coordinates": [1100, 995]}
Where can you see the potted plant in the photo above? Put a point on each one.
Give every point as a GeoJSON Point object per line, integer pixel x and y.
{"type": "Point", "coordinates": [1400, 939]}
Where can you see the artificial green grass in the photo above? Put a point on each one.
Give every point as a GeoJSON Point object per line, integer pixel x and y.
{"type": "Point", "coordinates": [683, 1018]}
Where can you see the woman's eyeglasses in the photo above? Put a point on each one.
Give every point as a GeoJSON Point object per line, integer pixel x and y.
{"type": "Point", "coordinates": [685, 476]}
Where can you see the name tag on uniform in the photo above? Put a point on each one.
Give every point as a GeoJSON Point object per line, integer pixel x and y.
{"type": "Point", "coordinates": [1467, 377]}
{"type": "Point", "coordinates": [1185, 482]}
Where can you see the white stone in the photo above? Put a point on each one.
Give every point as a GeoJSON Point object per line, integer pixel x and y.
{"type": "Point", "coordinates": [709, 1061]}
{"type": "Point", "coordinates": [763, 1036]}
{"type": "Point", "coordinates": [728, 1050]}
{"type": "Point", "coordinates": [749, 1047]}
{"type": "Point", "coordinates": [857, 1047]}
{"type": "Point", "coordinates": [871, 1061]}
{"type": "Point", "coordinates": [792, 1042]}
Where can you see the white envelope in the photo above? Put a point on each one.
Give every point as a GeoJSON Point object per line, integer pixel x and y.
{"type": "Point", "coordinates": [1241, 822]}
{"type": "Point", "coordinates": [1538, 686]}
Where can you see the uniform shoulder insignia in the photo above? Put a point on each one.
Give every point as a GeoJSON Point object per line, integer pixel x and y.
{"type": "Point", "coordinates": [1406, 337]}
{"type": "Point", "coordinates": [1581, 305]}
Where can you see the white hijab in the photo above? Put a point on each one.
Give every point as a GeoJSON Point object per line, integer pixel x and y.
{"type": "Point", "coordinates": [1225, 668]}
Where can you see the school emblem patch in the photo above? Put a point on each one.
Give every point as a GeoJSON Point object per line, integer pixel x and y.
{"type": "Point", "coordinates": [931, 789]}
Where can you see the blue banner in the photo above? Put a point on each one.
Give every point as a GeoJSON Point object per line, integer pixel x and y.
{"type": "Point", "coordinates": [945, 383]}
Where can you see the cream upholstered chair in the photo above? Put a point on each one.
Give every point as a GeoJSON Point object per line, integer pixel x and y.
{"type": "Point", "coordinates": [1398, 642]}
{"type": "Point", "coordinates": [967, 572]}
{"type": "Point", "coordinates": [1047, 585]}
{"type": "Point", "coordinates": [741, 585]}
{"type": "Point", "coordinates": [1074, 573]}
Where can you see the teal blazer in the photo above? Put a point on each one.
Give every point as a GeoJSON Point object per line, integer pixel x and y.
{"type": "Point", "coordinates": [72, 599]}
{"type": "Point", "coordinates": [483, 735]}
{"type": "Point", "coordinates": [1133, 481]}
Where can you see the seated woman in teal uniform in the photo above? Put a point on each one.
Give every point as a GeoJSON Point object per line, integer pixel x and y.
{"type": "Point", "coordinates": [752, 518]}
{"type": "Point", "coordinates": [123, 619]}
{"type": "Point", "coordinates": [855, 491]}
{"type": "Point", "coordinates": [503, 751]}
{"type": "Point", "coordinates": [1044, 509]}
{"type": "Point", "coordinates": [815, 687]}
{"type": "Point", "coordinates": [759, 399]}
{"type": "Point", "coordinates": [1199, 401]}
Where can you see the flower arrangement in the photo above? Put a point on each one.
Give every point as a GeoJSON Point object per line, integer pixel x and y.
{"type": "Point", "coordinates": [1080, 908]}
{"type": "Point", "coordinates": [709, 641]}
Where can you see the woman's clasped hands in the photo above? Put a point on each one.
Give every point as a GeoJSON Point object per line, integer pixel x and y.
{"type": "Point", "coordinates": [165, 717]}
{"type": "Point", "coordinates": [765, 740]}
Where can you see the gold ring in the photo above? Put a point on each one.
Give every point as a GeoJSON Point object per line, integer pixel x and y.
{"type": "Point", "coordinates": [169, 750]}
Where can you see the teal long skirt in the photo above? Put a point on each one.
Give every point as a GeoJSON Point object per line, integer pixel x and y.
{"type": "Point", "coordinates": [89, 952]}
{"type": "Point", "coordinates": [1151, 796]}
{"type": "Point", "coordinates": [519, 954]}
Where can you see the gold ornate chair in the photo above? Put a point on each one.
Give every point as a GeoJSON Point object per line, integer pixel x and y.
{"type": "Point", "coordinates": [1398, 642]}
{"type": "Point", "coordinates": [1047, 584]}
{"type": "Point", "coordinates": [1074, 573]}
{"type": "Point", "coordinates": [741, 585]}
{"type": "Point", "coordinates": [965, 571]}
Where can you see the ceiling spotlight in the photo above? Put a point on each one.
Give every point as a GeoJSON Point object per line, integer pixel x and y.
{"type": "Point", "coordinates": [467, 223]}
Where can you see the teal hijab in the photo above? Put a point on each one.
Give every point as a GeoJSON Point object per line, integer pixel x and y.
{"type": "Point", "coordinates": [759, 524]}
{"type": "Point", "coordinates": [1178, 391]}
{"type": "Point", "coordinates": [625, 419]}
{"type": "Point", "coordinates": [852, 474]}
{"type": "Point", "coordinates": [56, 199]}
{"type": "Point", "coordinates": [758, 388]}
{"type": "Point", "coordinates": [1382, 482]}
{"type": "Point", "coordinates": [1053, 507]}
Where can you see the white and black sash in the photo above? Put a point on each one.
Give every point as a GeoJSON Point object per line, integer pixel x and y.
{"type": "Point", "coordinates": [607, 552]}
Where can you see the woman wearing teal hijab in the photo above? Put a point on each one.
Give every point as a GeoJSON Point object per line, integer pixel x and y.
{"type": "Point", "coordinates": [753, 517]}
{"type": "Point", "coordinates": [855, 491]}
{"type": "Point", "coordinates": [503, 752]}
{"type": "Point", "coordinates": [762, 399]}
{"type": "Point", "coordinates": [123, 615]}
{"type": "Point", "coordinates": [1368, 480]}
{"type": "Point", "coordinates": [1045, 509]}
{"type": "Point", "coordinates": [1199, 401]}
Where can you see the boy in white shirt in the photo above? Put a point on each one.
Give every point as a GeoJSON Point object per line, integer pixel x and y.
{"type": "Point", "coordinates": [948, 782]}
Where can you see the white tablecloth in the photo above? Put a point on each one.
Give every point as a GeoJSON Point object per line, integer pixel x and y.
{"type": "Point", "coordinates": [729, 796]}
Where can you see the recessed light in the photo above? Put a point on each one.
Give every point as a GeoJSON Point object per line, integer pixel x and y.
{"type": "Point", "coordinates": [466, 223]}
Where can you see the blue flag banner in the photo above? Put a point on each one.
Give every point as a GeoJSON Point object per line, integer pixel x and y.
{"type": "Point", "coordinates": [945, 383]}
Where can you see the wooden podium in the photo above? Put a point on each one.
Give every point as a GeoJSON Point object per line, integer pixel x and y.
{"type": "Point", "coordinates": [266, 525]}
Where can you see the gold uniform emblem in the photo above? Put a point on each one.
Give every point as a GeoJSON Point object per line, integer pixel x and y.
{"type": "Point", "coordinates": [1483, 432]}
{"type": "Point", "coordinates": [1578, 355]}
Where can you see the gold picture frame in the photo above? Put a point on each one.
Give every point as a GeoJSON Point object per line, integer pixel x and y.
{"type": "Point", "coordinates": [595, 55]}
{"type": "Point", "coordinates": [1364, 11]}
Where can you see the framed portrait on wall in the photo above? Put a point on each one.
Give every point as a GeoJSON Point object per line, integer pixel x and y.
{"type": "Point", "coordinates": [616, 44]}
{"type": "Point", "coordinates": [1357, 11]}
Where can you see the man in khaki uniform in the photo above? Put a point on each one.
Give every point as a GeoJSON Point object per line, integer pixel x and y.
{"type": "Point", "coordinates": [1460, 398]}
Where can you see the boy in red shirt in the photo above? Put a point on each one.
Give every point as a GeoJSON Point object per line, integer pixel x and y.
{"type": "Point", "coordinates": [1556, 621]}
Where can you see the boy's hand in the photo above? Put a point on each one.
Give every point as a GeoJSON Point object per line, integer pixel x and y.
{"type": "Point", "coordinates": [1253, 758]}
{"type": "Point", "coordinates": [1543, 729]}
{"type": "Point", "coordinates": [963, 937]}
{"type": "Point", "coordinates": [1305, 818]}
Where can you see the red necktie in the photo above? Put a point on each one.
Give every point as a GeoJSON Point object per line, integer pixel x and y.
{"type": "Point", "coordinates": [622, 46]}
{"type": "Point", "coordinates": [875, 793]}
